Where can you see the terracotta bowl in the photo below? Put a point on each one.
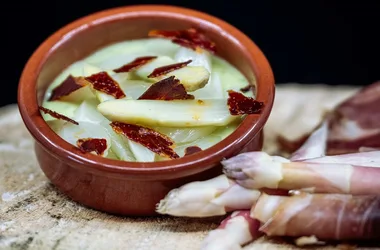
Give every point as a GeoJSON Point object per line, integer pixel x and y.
{"type": "Point", "coordinates": [131, 188]}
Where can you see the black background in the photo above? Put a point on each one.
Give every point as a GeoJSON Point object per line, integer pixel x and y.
{"type": "Point", "coordinates": [332, 42]}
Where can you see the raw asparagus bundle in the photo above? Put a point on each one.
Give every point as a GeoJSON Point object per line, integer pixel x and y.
{"type": "Point", "coordinates": [259, 170]}
{"type": "Point", "coordinates": [325, 216]}
{"type": "Point", "coordinates": [345, 207]}
{"type": "Point", "coordinates": [213, 197]}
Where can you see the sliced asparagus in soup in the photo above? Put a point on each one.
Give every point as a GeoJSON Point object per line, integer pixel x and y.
{"type": "Point", "coordinates": [183, 135]}
{"type": "Point", "coordinates": [121, 53]}
{"type": "Point", "coordinates": [61, 107]}
{"type": "Point", "coordinates": [72, 133]}
{"type": "Point", "coordinates": [213, 88]}
{"type": "Point", "coordinates": [141, 153]}
{"type": "Point", "coordinates": [76, 69]}
{"type": "Point", "coordinates": [113, 84]}
{"type": "Point", "coordinates": [133, 89]}
{"type": "Point", "coordinates": [200, 57]}
{"type": "Point", "coordinates": [120, 146]}
{"type": "Point", "coordinates": [87, 112]}
{"type": "Point", "coordinates": [56, 124]}
{"type": "Point", "coordinates": [71, 89]}
{"type": "Point", "coordinates": [191, 77]}
{"type": "Point", "coordinates": [178, 113]}
{"type": "Point", "coordinates": [225, 131]}
{"type": "Point", "coordinates": [112, 155]}
{"type": "Point", "coordinates": [148, 68]}
{"type": "Point", "coordinates": [203, 143]}
{"type": "Point", "coordinates": [231, 79]}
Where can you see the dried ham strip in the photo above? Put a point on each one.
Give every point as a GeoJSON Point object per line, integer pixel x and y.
{"type": "Point", "coordinates": [168, 68]}
{"type": "Point", "coordinates": [57, 115]}
{"type": "Point", "coordinates": [135, 64]}
{"type": "Point", "coordinates": [325, 216]}
{"type": "Point", "coordinates": [166, 89]}
{"type": "Point", "coordinates": [152, 140]}
{"type": "Point", "coordinates": [257, 170]}
{"type": "Point", "coordinates": [234, 231]}
{"type": "Point", "coordinates": [190, 38]}
{"type": "Point", "coordinates": [89, 145]}
{"type": "Point", "coordinates": [239, 104]}
{"type": "Point", "coordinates": [103, 82]}
{"type": "Point", "coordinates": [192, 150]}
{"type": "Point", "coordinates": [68, 86]}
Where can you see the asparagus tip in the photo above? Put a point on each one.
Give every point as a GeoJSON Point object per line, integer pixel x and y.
{"type": "Point", "coordinates": [161, 206]}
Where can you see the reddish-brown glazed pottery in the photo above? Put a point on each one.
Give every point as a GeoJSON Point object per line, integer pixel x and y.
{"type": "Point", "coordinates": [131, 188]}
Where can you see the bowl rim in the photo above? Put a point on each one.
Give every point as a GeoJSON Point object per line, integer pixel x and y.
{"type": "Point", "coordinates": [44, 136]}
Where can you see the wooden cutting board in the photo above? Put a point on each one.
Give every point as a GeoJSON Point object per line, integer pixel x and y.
{"type": "Point", "coordinates": [34, 215]}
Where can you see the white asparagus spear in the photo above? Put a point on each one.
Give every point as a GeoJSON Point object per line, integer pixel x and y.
{"type": "Point", "coordinates": [237, 230]}
{"type": "Point", "coordinates": [148, 68]}
{"type": "Point", "coordinates": [87, 112]}
{"type": "Point", "coordinates": [192, 77]}
{"type": "Point", "coordinates": [258, 170]}
{"type": "Point", "coordinates": [212, 197]}
{"type": "Point", "coordinates": [368, 149]}
{"type": "Point", "coordinates": [177, 113]}
{"type": "Point", "coordinates": [200, 57]}
{"type": "Point", "coordinates": [184, 135]}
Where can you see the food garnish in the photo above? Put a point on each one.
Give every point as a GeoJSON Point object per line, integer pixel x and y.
{"type": "Point", "coordinates": [103, 82]}
{"type": "Point", "coordinates": [68, 86]}
{"type": "Point", "coordinates": [168, 68]}
{"type": "Point", "coordinates": [192, 150]}
{"type": "Point", "coordinates": [153, 140]}
{"type": "Point", "coordinates": [190, 38]}
{"type": "Point", "coordinates": [239, 104]}
{"type": "Point", "coordinates": [89, 145]}
{"type": "Point", "coordinates": [166, 89]}
{"type": "Point", "coordinates": [135, 64]}
{"type": "Point", "coordinates": [57, 115]}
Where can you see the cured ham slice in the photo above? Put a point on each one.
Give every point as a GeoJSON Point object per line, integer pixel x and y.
{"type": "Point", "coordinates": [314, 146]}
{"type": "Point", "coordinates": [325, 216]}
{"type": "Point", "coordinates": [235, 231]}
{"type": "Point", "coordinates": [353, 124]}
{"type": "Point", "coordinates": [365, 158]}
{"type": "Point", "coordinates": [258, 170]}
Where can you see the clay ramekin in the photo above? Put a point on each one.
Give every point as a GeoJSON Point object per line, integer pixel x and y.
{"type": "Point", "coordinates": [124, 187]}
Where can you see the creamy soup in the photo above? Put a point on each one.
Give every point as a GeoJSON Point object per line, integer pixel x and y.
{"type": "Point", "coordinates": [145, 128]}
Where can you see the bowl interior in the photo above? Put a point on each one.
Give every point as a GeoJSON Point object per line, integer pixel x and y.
{"type": "Point", "coordinates": [82, 37]}
{"type": "Point", "coordinates": [86, 39]}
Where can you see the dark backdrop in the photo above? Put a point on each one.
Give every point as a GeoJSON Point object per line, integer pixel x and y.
{"type": "Point", "coordinates": [333, 42]}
